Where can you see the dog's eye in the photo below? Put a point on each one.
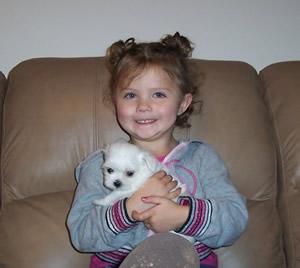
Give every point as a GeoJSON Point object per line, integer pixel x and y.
{"type": "Point", "coordinates": [129, 173]}
{"type": "Point", "coordinates": [109, 170]}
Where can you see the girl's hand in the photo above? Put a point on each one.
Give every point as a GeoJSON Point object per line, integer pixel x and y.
{"type": "Point", "coordinates": [160, 184]}
{"type": "Point", "coordinates": [165, 216]}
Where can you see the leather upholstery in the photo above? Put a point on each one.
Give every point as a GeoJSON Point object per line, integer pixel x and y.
{"type": "Point", "coordinates": [281, 88]}
{"type": "Point", "coordinates": [53, 117]}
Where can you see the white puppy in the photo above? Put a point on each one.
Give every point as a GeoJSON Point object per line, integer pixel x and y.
{"type": "Point", "coordinates": [126, 167]}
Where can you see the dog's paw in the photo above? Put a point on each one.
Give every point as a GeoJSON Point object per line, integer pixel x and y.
{"type": "Point", "coordinates": [183, 189]}
{"type": "Point", "coordinates": [101, 202]}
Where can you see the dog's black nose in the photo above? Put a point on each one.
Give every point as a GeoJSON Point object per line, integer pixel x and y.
{"type": "Point", "coordinates": [117, 183]}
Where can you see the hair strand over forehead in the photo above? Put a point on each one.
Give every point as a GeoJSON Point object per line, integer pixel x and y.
{"type": "Point", "coordinates": [127, 59]}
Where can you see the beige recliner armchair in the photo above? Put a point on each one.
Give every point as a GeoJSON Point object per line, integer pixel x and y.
{"type": "Point", "coordinates": [52, 116]}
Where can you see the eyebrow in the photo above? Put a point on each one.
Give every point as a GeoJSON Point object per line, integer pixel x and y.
{"type": "Point", "coordinates": [154, 88]}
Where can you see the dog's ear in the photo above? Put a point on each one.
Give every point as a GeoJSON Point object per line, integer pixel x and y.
{"type": "Point", "coordinates": [105, 150]}
{"type": "Point", "coordinates": [121, 140]}
{"type": "Point", "coordinates": [149, 160]}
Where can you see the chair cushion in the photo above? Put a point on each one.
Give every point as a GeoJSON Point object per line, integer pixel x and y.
{"type": "Point", "coordinates": [33, 234]}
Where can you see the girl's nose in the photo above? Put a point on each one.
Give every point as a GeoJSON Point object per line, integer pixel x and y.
{"type": "Point", "coordinates": [144, 106]}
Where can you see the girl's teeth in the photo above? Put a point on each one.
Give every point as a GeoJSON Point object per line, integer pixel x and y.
{"type": "Point", "coordinates": [145, 121]}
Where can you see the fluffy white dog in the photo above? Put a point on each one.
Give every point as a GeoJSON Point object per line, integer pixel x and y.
{"type": "Point", "coordinates": [126, 167]}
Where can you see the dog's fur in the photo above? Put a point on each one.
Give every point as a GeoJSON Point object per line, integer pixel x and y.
{"type": "Point", "coordinates": [126, 167]}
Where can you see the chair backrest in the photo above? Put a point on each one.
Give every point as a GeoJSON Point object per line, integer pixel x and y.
{"type": "Point", "coordinates": [281, 88]}
{"type": "Point", "coordinates": [2, 94]}
{"type": "Point", "coordinates": [54, 116]}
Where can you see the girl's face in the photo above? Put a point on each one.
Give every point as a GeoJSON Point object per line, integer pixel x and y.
{"type": "Point", "coordinates": [148, 107]}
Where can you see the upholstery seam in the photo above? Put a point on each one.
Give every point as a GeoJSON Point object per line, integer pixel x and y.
{"type": "Point", "coordinates": [96, 124]}
{"type": "Point", "coordinates": [281, 173]}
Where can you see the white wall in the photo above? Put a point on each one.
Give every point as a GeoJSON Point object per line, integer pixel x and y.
{"type": "Point", "coordinates": [259, 32]}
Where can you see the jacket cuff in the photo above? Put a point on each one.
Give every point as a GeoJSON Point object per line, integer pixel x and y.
{"type": "Point", "coordinates": [199, 217]}
{"type": "Point", "coordinates": [117, 218]}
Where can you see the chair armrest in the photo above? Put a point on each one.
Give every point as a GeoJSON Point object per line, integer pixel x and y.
{"type": "Point", "coordinates": [3, 83]}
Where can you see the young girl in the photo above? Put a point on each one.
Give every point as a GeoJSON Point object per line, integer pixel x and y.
{"type": "Point", "coordinates": [152, 91]}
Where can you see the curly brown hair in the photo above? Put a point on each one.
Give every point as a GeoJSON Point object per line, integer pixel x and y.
{"type": "Point", "coordinates": [127, 59]}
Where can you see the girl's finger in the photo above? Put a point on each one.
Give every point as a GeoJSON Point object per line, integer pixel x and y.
{"type": "Point", "coordinates": [148, 225]}
{"type": "Point", "coordinates": [172, 185]}
{"type": "Point", "coordinates": [160, 174]}
{"type": "Point", "coordinates": [174, 194]}
{"type": "Point", "coordinates": [141, 216]}
{"type": "Point", "coordinates": [155, 200]}
{"type": "Point", "coordinates": [137, 216]}
{"type": "Point", "coordinates": [167, 179]}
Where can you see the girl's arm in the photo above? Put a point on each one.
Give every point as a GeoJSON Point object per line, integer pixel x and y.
{"type": "Point", "coordinates": [160, 185]}
{"type": "Point", "coordinates": [216, 219]}
{"type": "Point", "coordinates": [97, 228]}
{"type": "Point", "coordinates": [220, 216]}
{"type": "Point", "coordinates": [166, 215]}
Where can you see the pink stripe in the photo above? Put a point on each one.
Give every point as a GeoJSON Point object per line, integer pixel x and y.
{"type": "Point", "coordinates": [191, 173]}
{"type": "Point", "coordinates": [172, 162]}
{"type": "Point", "coordinates": [118, 217]}
{"type": "Point", "coordinates": [201, 247]}
{"type": "Point", "coordinates": [202, 212]}
{"type": "Point", "coordinates": [115, 255]}
{"type": "Point", "coordinates": [193, 225]}
{"type": "Point", "coordinates": [198, 220]}
{"type": "Point", "coordinates": [211, 260]}
{"type": "Point", "coordinates": [97, 263]}
{"type": "Point", "coordinates": [178, 147]}
{"type": "Point", "coordinates": [192, 189]}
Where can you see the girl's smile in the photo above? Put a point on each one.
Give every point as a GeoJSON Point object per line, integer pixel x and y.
{"type": "Point", "coordinates": [146, 121]}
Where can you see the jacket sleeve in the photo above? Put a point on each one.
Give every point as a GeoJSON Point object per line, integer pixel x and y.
{"type": "Point", "coordinates": [97, 228]}
{"type": "Point", "coordinates": [219, 216]}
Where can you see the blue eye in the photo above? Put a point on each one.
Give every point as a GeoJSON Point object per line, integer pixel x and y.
{"type": "Point", "coordinates": [129, 95]}
{"type": "Point", "coordinates": [159, 95]}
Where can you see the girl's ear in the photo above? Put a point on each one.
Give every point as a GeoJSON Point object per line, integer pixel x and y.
{"type": "Point", "coordinates": [185, 103]}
